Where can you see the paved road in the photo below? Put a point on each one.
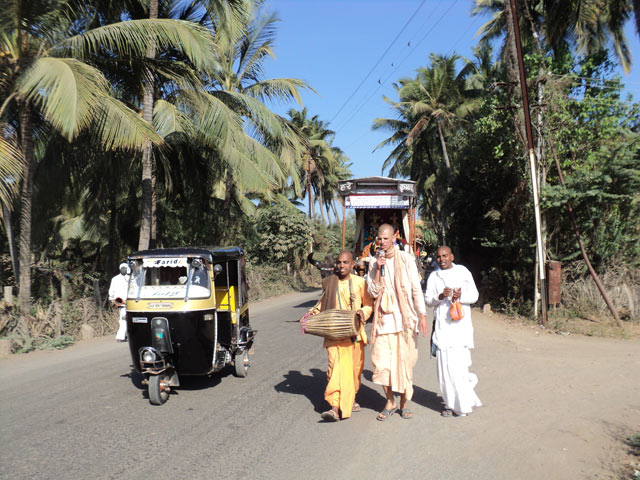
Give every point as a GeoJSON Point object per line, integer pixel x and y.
{"type": "Point", "coordinates": [555, 407]}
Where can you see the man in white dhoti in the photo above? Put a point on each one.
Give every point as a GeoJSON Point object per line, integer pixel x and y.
{"type": "Point", "coordinates": [118, 295]}
{"type": "Point", "coordinates": [452, 339]}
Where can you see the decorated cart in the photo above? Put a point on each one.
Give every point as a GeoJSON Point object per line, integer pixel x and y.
{"type": "Point", "coordinates": [378, 200]}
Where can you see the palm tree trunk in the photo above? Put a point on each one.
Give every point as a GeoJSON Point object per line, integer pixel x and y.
{"type": "Point", "coordinates": [335, 211]}
{"type": "Point", "coordinates": [444, 146]}
{"type": "Point", "coordinates": [321, 205]}
{"type": "Point", "coordinates": [311, 212]}
{"type": "Point", "coordinates": [11, 240]}
{"type": "Point", "coordinates": [111, 265]}
{"type": "Point", "coordinates": [24, 294]}
{"type": "Point", "coordinates": [154, 207]}
{"type": "Point", "coordinates": [147, 153]}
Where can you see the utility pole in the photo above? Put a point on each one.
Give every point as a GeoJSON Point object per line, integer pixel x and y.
{"type": "Point", "coordinates": [532, 163]}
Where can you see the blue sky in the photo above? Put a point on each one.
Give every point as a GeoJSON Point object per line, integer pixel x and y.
{"type": "Point", "coordinates": [345, 50]}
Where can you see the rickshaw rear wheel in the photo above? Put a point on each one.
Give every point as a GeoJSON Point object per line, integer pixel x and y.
{"type": "Point", "coordinates": [159, 388]}
{"type": "Point", "coordinates": [241, 361]}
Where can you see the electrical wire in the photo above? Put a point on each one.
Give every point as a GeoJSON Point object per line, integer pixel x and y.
{"type": "Point", "coordinates": [366, 100]}
{"type": "Point", "coordinates": [379, 60]}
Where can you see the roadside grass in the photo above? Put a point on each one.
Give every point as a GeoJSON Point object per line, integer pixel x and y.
{"type": "Point", "coordinates": [267, 281]}
{"type": "Point", "coordinates": [583, 310]}
{"type": "Point", "coordinates": [633, 469]}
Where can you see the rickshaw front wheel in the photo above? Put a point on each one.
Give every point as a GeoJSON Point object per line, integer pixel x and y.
{"type": "Point", "coordinates": [159, 388]}
{"type": "Point", "coordinates": [241, 361]}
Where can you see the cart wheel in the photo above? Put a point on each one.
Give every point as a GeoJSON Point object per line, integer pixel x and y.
{"type": "Point", "coordinates": [158, 389]}
{"type": "Point", "coordinates": [241, 361]}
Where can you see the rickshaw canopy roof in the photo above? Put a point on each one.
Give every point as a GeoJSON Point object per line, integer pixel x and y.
{"type": "Point", "coordinates": [377, 186]}
{"type": "Point", "coordinates": [209, 254]}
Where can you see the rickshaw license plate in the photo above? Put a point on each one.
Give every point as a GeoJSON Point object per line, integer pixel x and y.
{"type": "Point", "coordinates": [139, 320]}
{"type": "Point", "coordinates": [160, 305]}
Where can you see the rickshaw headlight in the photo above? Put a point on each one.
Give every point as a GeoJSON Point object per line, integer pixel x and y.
{"type": "Point", "coordinates": [208, 317]}
{"type": "Point", "coordinates": [148, 356]}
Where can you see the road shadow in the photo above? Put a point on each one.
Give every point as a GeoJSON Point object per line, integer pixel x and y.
{"type": "Point", "coordinates": [135, 377]}
{"type": "Point", "coordinates": [306, 305]}
{"type": "Point", "coordinates": [425, 398]}
{"type": "Point", "coordinates": [313, 386]}
{"type": "Point", "coordinates": [187, 382]}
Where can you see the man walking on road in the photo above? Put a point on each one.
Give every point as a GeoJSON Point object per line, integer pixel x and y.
{"type": "Point", "coordinates": [118, 290]}
{"type": "Point", "coordinates": [452, 338]}
{"type": "Point", "coordinates": [344, 291]}
{"type": "Point", "coordinates": [399, 312]}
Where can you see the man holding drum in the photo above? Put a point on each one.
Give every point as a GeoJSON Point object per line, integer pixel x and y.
{"type": "Point", "coordinates": [398, 314]}
{"type": "Point", "coordinates": [344, 291]}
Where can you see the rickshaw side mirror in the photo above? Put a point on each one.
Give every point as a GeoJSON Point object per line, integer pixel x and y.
{"type": "Point", "coordinates": [217, 268]}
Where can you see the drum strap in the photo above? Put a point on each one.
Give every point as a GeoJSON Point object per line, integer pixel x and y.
{"type": "Point", "coordinates": [352, 296]}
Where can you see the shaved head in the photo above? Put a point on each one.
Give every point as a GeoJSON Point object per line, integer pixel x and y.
{"type": "Point", "coordinates": [385, 227]}
{"type": "Point", "coordinates": [344, 265]}
{"type": "Point", "coordinates": [347, 254]}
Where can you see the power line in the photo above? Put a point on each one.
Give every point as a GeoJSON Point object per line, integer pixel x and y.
{"type": "Point", "coordinates": [379, 60]}
{"type": "Point", "coordinates": [366, 100]}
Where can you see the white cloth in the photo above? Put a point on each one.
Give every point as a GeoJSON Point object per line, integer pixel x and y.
{"type": "Point", "coordinates": [448, 334]}
{"type": "Point", "coordinates": [392, 322]}
{"type": "Point", "coordinates": [119, 289]}
{"type": "Point", "coordinates": [456, 382]}
{"type": "Point", "coordinates": [454, 338]}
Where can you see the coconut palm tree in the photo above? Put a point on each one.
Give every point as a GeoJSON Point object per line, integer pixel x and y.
{"type": "Point", "coordinates": [437, 98]}
{"type": "Point", "coordinates": [50, 84]}
{"type": "Point", "coordinates": [240, 85]}
{"type": "Point", "coordinates": [587, 26]}
{"type": "Point", "coordinates": [317, 155]}
{"type": "Point", "coordinates": [437, 95]}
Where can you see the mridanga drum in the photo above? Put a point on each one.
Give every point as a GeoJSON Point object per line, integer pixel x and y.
{"type": "Point", "coordinates": [334, 324]}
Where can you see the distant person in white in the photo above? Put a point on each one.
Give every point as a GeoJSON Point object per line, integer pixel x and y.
{"type": "Point", "coordinates": [453, 339]}
{"type": "Point", "coordinates": [118, 295]}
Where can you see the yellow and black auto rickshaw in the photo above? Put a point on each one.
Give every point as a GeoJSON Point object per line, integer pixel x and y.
{"type": "Point", "coordinates": [187, 314]}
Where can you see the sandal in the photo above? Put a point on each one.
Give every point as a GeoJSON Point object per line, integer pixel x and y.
{"type": "Point", "coordinates": [446, 413]}
{"type": "Point", "coordinates": [386, 413]}
{"type": "Point", "coordinates": [405, 413]}
{"type": "Point", "coordinates": [356, 407]}
{"type": "Point", "coordinates": [330, 416]}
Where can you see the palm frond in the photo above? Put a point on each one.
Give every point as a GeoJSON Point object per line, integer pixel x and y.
{"type": "Point", "coordinates": [11, 161]}
{"type": "Point", "coordinates": [133, 37]}
{"type": "Point", "coordinates": [65, 90]}
{"type": "Point", "coordinates": [119, 127]}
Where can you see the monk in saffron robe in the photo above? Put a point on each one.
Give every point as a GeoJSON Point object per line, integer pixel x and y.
{"type": "Point", "coordinates": [398, 315]}
{"type": "Point", "coordinates": [344, 291]}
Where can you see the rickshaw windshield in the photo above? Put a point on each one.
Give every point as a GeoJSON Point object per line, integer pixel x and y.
{"type": "Point", "coordinates": [169, 278]}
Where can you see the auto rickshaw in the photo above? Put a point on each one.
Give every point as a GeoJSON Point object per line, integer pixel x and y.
{"type": "Point", "coordinates": [187, 314]}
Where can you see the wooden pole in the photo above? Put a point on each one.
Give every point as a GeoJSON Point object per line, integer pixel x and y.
{"type": "Point", "coordinates": [532, 162]}
{"type": "Point", "coordinates": [344, 223]}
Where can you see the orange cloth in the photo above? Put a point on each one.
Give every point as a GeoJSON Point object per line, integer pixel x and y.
{"type": "Point", "coordinates": [346, 358]}
{"type": "Point", "coordinates": [346, 361]}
